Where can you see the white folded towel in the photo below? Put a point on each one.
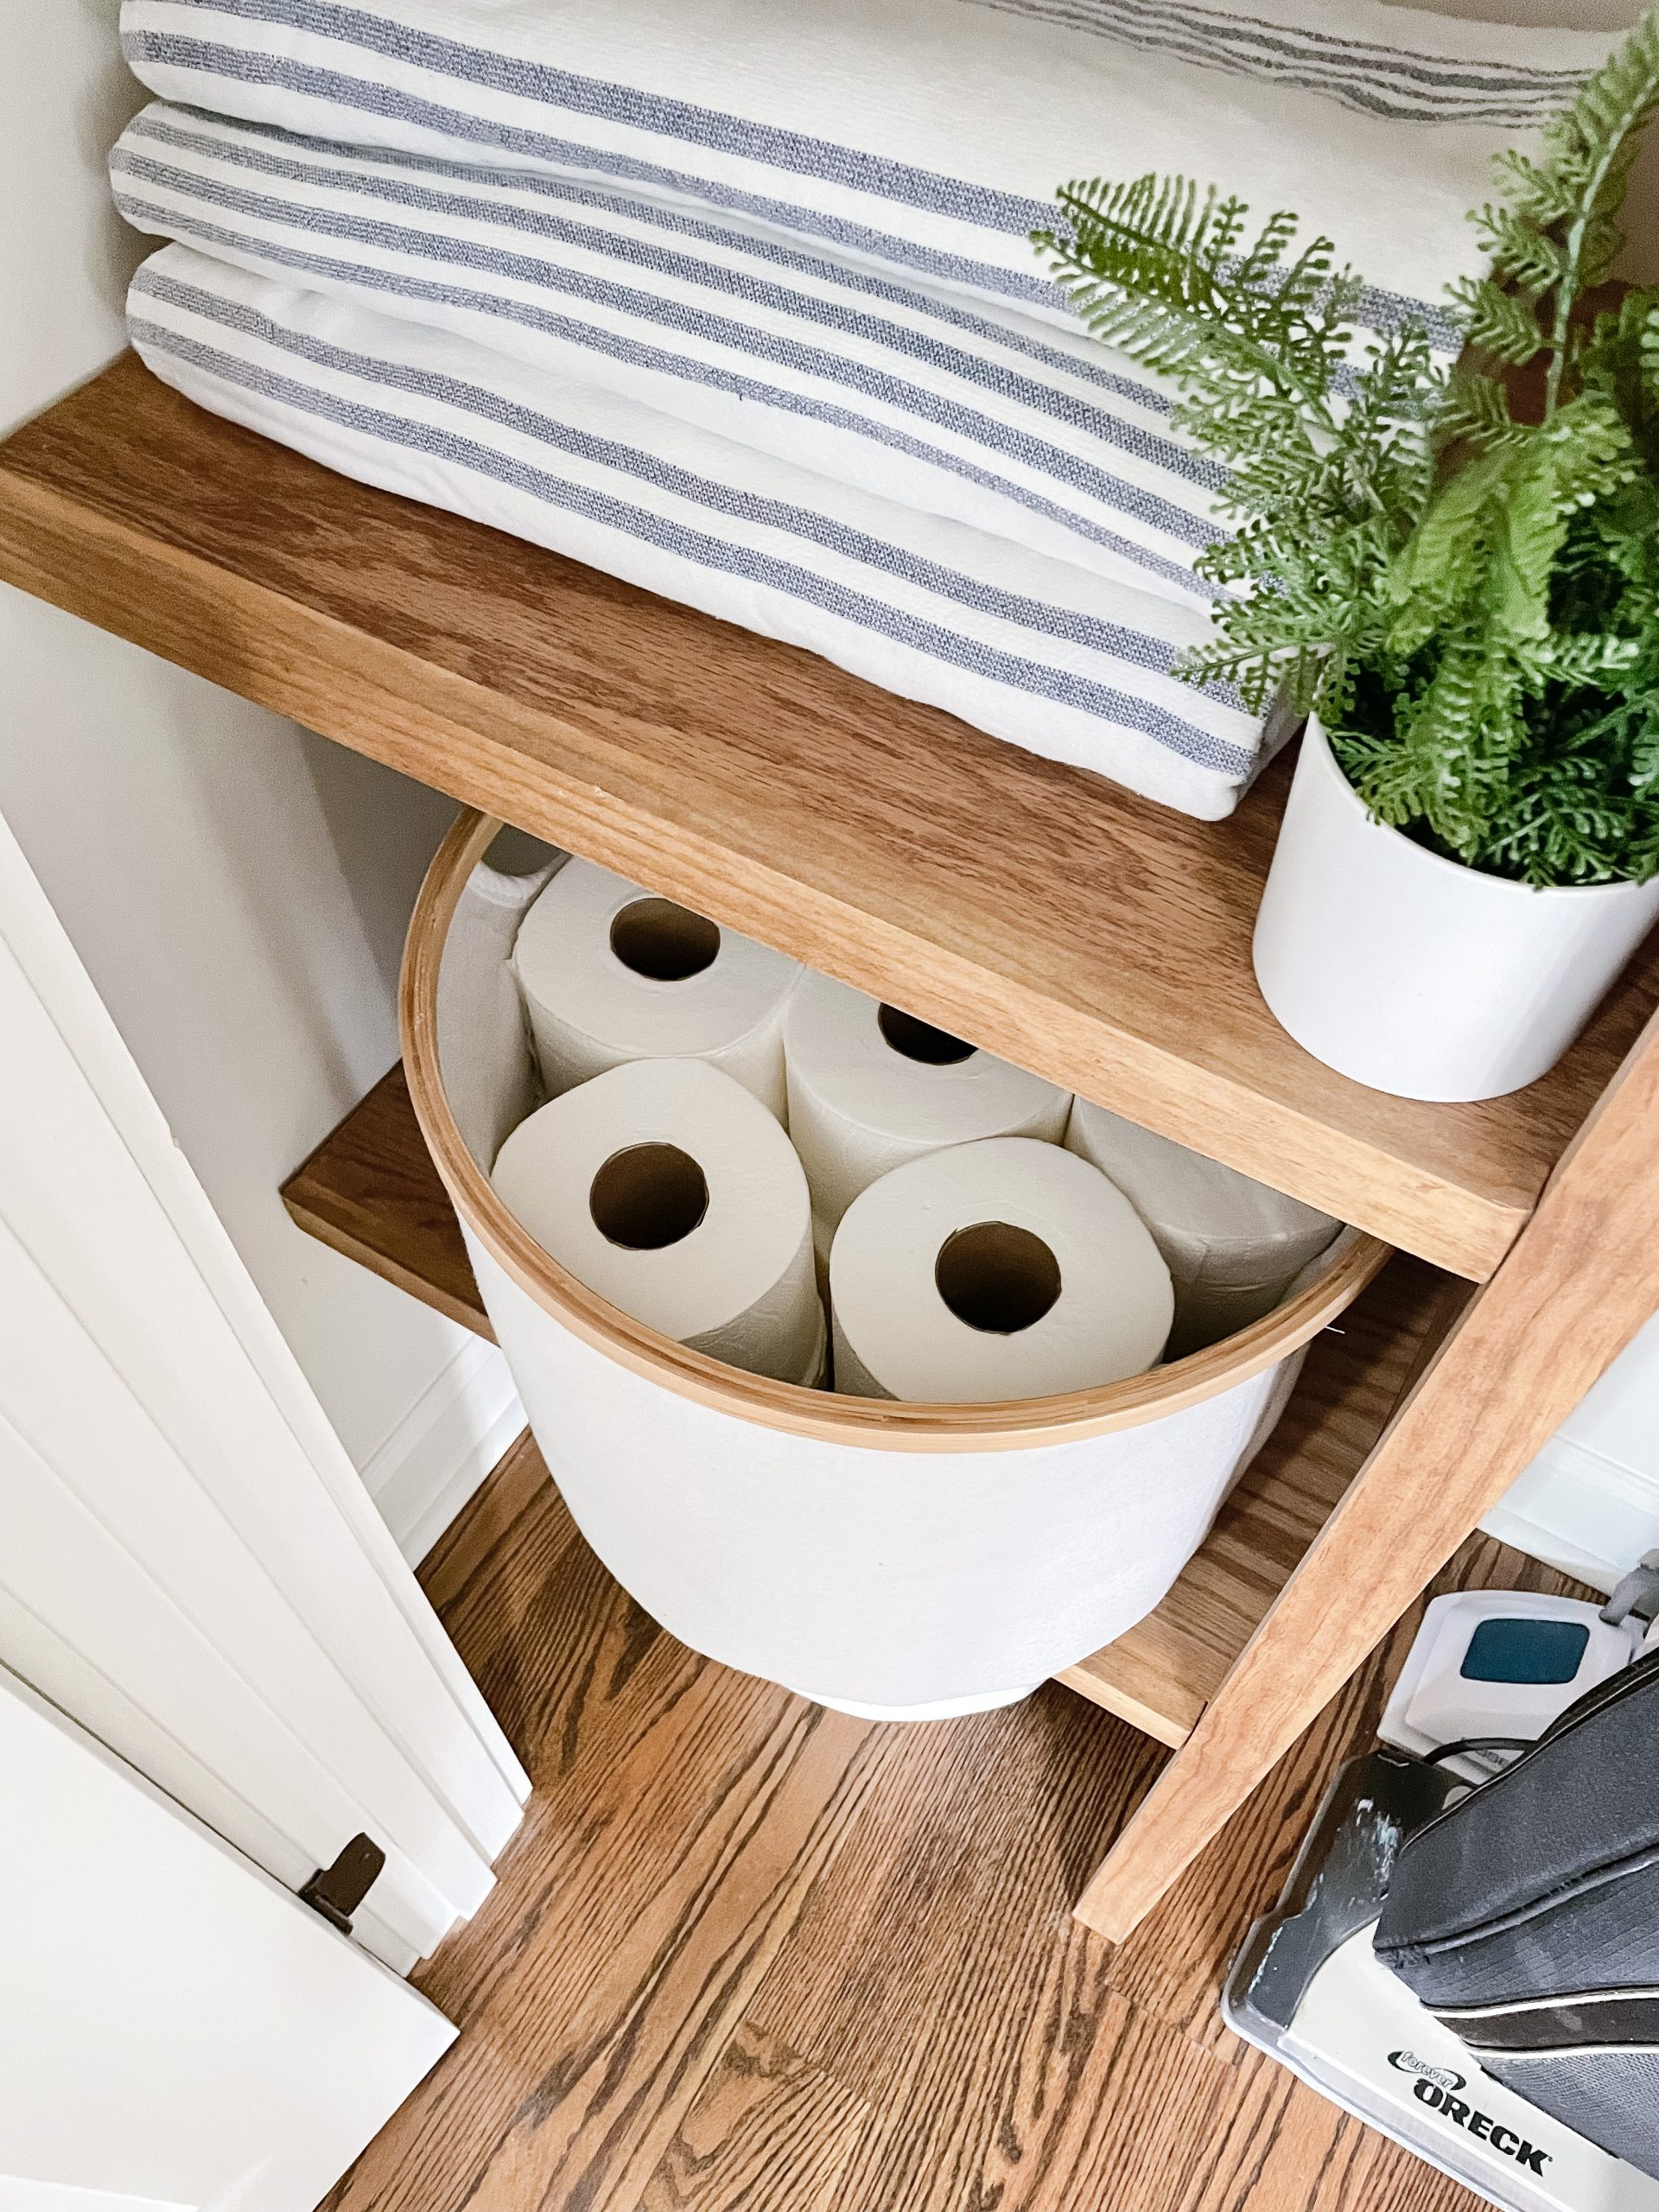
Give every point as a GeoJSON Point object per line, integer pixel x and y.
{"type": "Point", "coordinates": [960, 409]}
{"type": "Point", "coordinates": [1032, 649]}
{"type": "Point", "coordinates": [924, 138]}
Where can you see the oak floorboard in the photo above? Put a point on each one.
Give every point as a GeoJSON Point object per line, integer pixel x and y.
{"type": "Point", "coordinates": [746, 1955]}
{"type": "Point", "coordinates": [1274, 2143]}
{"type": "Point", "coordinates": [479, 1561]}
{"type": "Point", "coordinates": [768, 2131]}
{"type": "Point", "coordinates": [678, 1818]}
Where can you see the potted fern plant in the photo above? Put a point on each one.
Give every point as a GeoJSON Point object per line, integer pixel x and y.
{"type": "Point", "coordinates": [1461, 594]}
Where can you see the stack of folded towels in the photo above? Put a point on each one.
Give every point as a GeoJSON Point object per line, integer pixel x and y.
{"type": "Point", "coordinates": [738, 302]}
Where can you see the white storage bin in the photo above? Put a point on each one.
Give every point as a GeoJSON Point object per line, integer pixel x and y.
{"type": "Point", "coordinates": [886, 1558]}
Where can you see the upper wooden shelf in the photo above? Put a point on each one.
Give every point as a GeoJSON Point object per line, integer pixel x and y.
{"type": "Point", "coordinates": [1041, 911]}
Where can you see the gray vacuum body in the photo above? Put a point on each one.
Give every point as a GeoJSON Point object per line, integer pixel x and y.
{"type": "Point", "coordinates": [1525, 1917]}
{"type": "Point", "coordinates": [1309, 1988]}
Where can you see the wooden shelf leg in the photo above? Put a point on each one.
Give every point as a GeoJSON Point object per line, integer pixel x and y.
{"type": "Point", "coordinates": [1580, 1281]}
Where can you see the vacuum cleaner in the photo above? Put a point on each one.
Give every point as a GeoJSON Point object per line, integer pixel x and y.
{"type": "Point", "coordinates": [1465, 1955]}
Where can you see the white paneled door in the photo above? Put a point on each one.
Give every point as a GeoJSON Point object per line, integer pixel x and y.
{"type": "Point", "coordinates": [176, 2030]}
{"type": "Point", "coordinates": [189, 1564]}
{"type": "Point", "coordinates": [192, 1570]}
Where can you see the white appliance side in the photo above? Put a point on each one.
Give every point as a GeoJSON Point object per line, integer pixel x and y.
{"type": "Point", "coordinates": [177, 2030]}
{"type": "Point", "coordinates": [238, 887]}
{"type": "Point", "coordinates": [191, 1566]}
{"type": "Point", "coordinates": [1589, 1502]}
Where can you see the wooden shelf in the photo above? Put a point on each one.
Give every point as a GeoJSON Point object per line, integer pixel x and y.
{"type": "Point", "coordinates": [1163, 1673]}
{"type": "Point", "coordinates": [371, 1191]}
{"type": "Point", "coordinates": [1097, 939]}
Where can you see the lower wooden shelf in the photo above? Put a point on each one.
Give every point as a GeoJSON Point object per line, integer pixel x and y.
{"type": "Point", "coordinates": [371, 1191]}
{"type": "Point", "coordinates": [1165, 1669]}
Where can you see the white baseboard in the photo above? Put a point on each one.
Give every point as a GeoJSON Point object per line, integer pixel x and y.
{"type": "Point", "coordinates": [443, 1447]}
{"type": "Point", "coordinates": [1575, 1508]}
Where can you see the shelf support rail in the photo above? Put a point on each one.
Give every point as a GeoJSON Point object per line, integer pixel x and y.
{"type": "Point", "coordinates": [1580, 1281]}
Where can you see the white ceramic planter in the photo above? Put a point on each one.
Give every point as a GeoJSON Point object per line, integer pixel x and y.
{"type": "Point", "coordinates": [1416, 975]}
{"type": "Point", "coordinates": [901, 1562]}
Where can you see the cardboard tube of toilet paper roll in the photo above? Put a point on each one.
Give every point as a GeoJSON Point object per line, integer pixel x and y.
{"type": "Point", "coordinates": [1008, 1269]}
{"type": "Point", "coordinates": [870, 1088]}
{"type": "Point", "coordinates": [610, 974]}
{"type": "Point", "coordinates": [1232, 1245]}
{"type": "Point", "coordinates": [492, 1082]}
{"type": "Point", "coordinates": [670, 1190]}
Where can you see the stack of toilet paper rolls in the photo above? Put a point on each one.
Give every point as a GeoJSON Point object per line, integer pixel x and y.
{"type": "Point", "coordinates": [728, 1136]}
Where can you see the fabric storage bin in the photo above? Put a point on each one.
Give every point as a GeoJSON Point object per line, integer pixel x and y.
{"type": "Point", "coordinates": [890, 1559]}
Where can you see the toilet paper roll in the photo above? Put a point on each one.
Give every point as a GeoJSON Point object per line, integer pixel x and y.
{"type": "Point", "coordinates": [491, 1077]}
{"type": "Point", "coordinates": [610, 974]}
{"type": "Point", "coordinates": [1007, 1269]}
{"type": "Point", "coordinates": [670, 1190]}
{"type": "Point", "coordinates": [1232, 1245]}
{"type": "Point", "coordinates": [870, 1088]}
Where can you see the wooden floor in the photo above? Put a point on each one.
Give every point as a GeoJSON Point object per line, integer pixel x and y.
{"type": "Point", "coordinates": [746, 1955]}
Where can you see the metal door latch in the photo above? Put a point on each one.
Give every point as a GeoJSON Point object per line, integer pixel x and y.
{"type": "Point", "coordinates": [336, 1892]}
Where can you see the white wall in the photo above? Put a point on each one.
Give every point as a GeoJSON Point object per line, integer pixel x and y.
{"type": "Point", "coordinates": [236, 887]}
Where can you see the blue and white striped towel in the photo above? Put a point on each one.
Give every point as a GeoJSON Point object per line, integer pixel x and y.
{"type": "Point", "coordinates": [956, 407]}
{"type": "Point", "coordinates": [924, 139]}
{"type": "Point", "coordinates": [739, 302]}
{"type": "Point", "coordinates": [1032, 649]}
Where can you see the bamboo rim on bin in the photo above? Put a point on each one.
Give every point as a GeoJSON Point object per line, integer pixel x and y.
{"type": "Point", "coordinates": [882, 1424]}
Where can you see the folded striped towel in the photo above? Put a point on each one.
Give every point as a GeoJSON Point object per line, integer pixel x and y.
{"type": "Point", "coordinates": [968, 410]}
{"type": "Point", "coordinates": [1032, 649]}
{"type": "Point", "coordinates": [739, 303]}
{"type": "Point", "coordinates": [923, 139]}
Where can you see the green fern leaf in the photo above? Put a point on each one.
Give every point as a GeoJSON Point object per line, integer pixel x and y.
{"type": "Point", "coordinates": [1477, 408]}
{"type": "Point", "coordinates": [1470, 602]}
{"type": "Point", "coordinates": [1153, 267]}
{"type": "Point", "coordinates": [1497, 322]}
{"type": "Point", "coordinates": [1523, 253]}
{"type": "Point", "coordinates": [1532, 192]}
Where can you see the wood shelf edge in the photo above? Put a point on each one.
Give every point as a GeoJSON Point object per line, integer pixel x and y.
{"type": "Point", "coordinates": [1146, 1712]}
{"type": "Point", "coordinates": [352, 1246]}
{"type": "Point", "coordinates": [362, 694]}
{"type": "Point", "coordinates": [767, 788]}
{"type": "Point", "coordinates": [1170, 1665]}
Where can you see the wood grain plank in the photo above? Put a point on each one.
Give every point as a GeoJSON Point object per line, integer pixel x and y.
{"type": "Point", "coordinates": [678, 1819]}
{"type": "Point", "coordinates": [768, 2131]}
{"type": "Point", "coordinates": [479, 1560]}
{"type": "Point", "coordinates": [1583, 1279]}
{"type": "Point", "coordinates": [370, 1190]}
{"type": "Point", "coordinates": [945, 1874]}
{"type": "Point", "coordinates": [1088, 935]}
{"type": "Point", "coordinates": [1274, 2145]}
